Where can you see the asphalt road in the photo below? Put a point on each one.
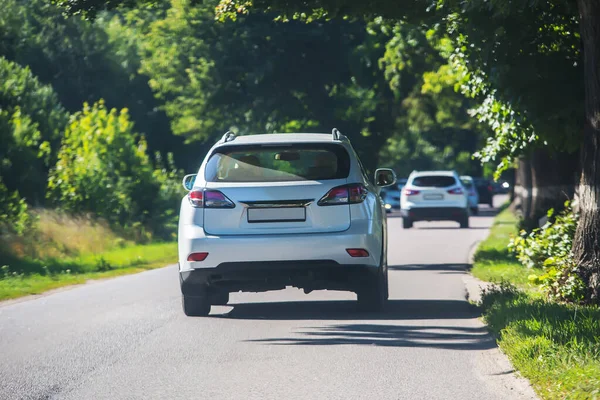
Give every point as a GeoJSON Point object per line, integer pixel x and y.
{"type": "Point", "coordinates": [127, 338]}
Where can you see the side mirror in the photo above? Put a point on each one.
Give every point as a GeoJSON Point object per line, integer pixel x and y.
{"type": "Point", "coordinates": [188, 181]}
{"type": "Point", "coordinates": [385, 177]}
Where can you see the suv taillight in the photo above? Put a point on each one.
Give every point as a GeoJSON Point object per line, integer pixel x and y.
{"type": "Point", "coordinates": [347, 194]}
{"type": "Point", "coordinates": [456, 191]}
{"type": "Point", "coordinates": [209, 199]}
{"type": "Point", "coordinates": [411, 192]}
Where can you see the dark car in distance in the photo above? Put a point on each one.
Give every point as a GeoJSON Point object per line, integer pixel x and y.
{"type": "Point", "coordinates": [391, 196]}
{"type": "Point", "coordinates": [485, 190]}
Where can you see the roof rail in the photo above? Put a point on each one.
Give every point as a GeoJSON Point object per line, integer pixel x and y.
{"type": "Point", "coordinates": [228, 137]}
{"type": "Point", "coordinates": [336, 134]}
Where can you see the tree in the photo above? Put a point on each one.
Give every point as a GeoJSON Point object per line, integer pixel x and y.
{"type": "Point", "coordinates": [586, 246]}
{"type": "Point", "coordinates": [83, 61]}
{"type": "Point", "coordinates": [257, 75]}
{"type": "Point", "coordinates": [103, 169]}
{"type": "Point", "coordinates": [31, 123]}
{"type": "Point", "coordinates": [433, 129]}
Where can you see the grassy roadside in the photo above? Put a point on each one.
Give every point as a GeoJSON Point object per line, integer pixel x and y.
{"type": "Point", "coordinates": [492, 261]}
{"type": "Point", "coordinates": [78, 270]}
{"type": "Point", "coordinates": [62, 249]}
{"type": "Point", "coordinates": [555, 346]}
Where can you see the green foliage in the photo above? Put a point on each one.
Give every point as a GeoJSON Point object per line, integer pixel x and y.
{"type": "Point", "coordinates": [31, 122]}
{"type": "Point", "coordinates": [13, 211]}
{"type": "Point", "coordinates": [100, 165]}
{"type": "Point", "coordinates": [255, 75]}
{"type": "Point", "coordinates": [522, 61]}
{"type": "Point", "coordinates": [549, 249]}
{"type": "Point", "coordinates": [83, 61]}
{"type": "Point", "coordinates": [103, 168]}
{"type": "Point", "coordinates": [433, 129]}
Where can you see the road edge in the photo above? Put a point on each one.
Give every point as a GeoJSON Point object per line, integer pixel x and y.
{"type": "Point", "coordinates": [29, 297]}
{"type": "Point", "coordinates": [495, 359]}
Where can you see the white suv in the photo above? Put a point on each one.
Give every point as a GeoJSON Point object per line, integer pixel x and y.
{"type": "Point", "coordinates": [434, 196]}
{"type": "Point", "coordinates": [269, 211]}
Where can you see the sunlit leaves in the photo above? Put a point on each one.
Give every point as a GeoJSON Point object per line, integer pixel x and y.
{"type": "Point", "coordinates": [102, 166]}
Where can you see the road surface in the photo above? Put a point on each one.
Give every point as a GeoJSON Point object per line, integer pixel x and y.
{"type": "Point", "coordinates": [127, 338]}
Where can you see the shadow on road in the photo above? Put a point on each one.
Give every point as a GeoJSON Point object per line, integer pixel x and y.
{"type": "Point", "coordinates": [347, 310]}
{"type": "Point", "coordinates": [430, 267]}
{"type": "Point", "coordinates": [487, 212]}
{"type": "Point", "coordinates": [483, 212]}
{"type": "Point", "coordinates": [442, 337]}
{"type": "Point", "coordinates": [436, 228]}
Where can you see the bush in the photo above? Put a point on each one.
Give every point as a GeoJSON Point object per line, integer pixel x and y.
{"type": "Point", "coordinates": [549, 248]}
{"type": "Point", "coordinates": [170, 192]}
{"type": "Point", "coordinates": [31, 123]}
{"type": "Point", "coordinates": [103, 168]}
{"type": "Point", "coordinates": [14, 217]}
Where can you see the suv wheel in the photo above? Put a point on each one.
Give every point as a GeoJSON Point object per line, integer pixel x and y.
{"type": "Point", "coordinates": [407, 223]}
{"type": "Point", "coordinates": [372, 297]}
{"type": "Point", "coordinates": [464, 222]}
{"type": "Point", "coordinates": [195, 306]}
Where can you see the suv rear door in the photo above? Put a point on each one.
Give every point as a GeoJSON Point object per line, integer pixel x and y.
{"type": "Point", "coordinates": [276, 188]}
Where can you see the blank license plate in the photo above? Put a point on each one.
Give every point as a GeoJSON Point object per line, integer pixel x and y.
{"type": "Point", "coordinates": [433, 196]}
{"type": "Point", "coordinates": [282, 214]}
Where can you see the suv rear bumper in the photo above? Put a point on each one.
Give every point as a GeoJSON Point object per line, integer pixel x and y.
{"type": "Point", "coordinates": [309, 247]}
{"type": "Point", "coordinates": [275, 275]}
{"type": "Point", "coordinates": [435, 213]}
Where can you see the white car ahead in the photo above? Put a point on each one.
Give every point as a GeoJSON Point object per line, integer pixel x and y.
{"type": "Point", "coordinates": [269, 211]}
{"type": "Point", "coordinates": [472, 195]}
{"type": "Point", "coordinates": [434, 196]}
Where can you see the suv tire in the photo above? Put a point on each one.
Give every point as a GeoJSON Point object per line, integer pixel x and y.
{"type": "Point", "coordinates": [464, 222]}
{"type": "Point", "coordinates": [407, 223]}
{"type": "Point", "coordinates": [372, 297]}
{"type": "Point", "coordinates": [220, 298]}
{"type": "Point", "coordinates": [195, 306]}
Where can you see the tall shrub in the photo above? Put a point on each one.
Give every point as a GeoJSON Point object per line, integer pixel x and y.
{"type": "Point", "coordinates": [103, 168]}
{"type": "Point", "coordinates": [548, 251]}
{"type": "Point", "coordinates": [32, 121]}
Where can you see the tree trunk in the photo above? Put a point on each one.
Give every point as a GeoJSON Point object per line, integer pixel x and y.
{"type": "Point", "coordinates": [586, 246]}
{"type": "Point", "coordinates": [553, 182]}
{"type": "Point", "coordinates": [522, 201]}
{"type": "Point", "coordinates": [544, 181]}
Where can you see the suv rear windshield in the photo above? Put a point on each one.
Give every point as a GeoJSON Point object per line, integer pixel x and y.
{"type": "Point", "coordinates": [434, 181]}
{"type": "Point", "coordinates": [298, 162]}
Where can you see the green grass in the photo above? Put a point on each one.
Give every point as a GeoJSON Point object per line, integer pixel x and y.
{"type": "Point", "coordinates": [69, 271]}
{"type": "Point", "coordinates": [62, 249]}
{"type": "Point", "coordinates": [556, 346]}
{"type": "Point", "coordinates": [493, 262]}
